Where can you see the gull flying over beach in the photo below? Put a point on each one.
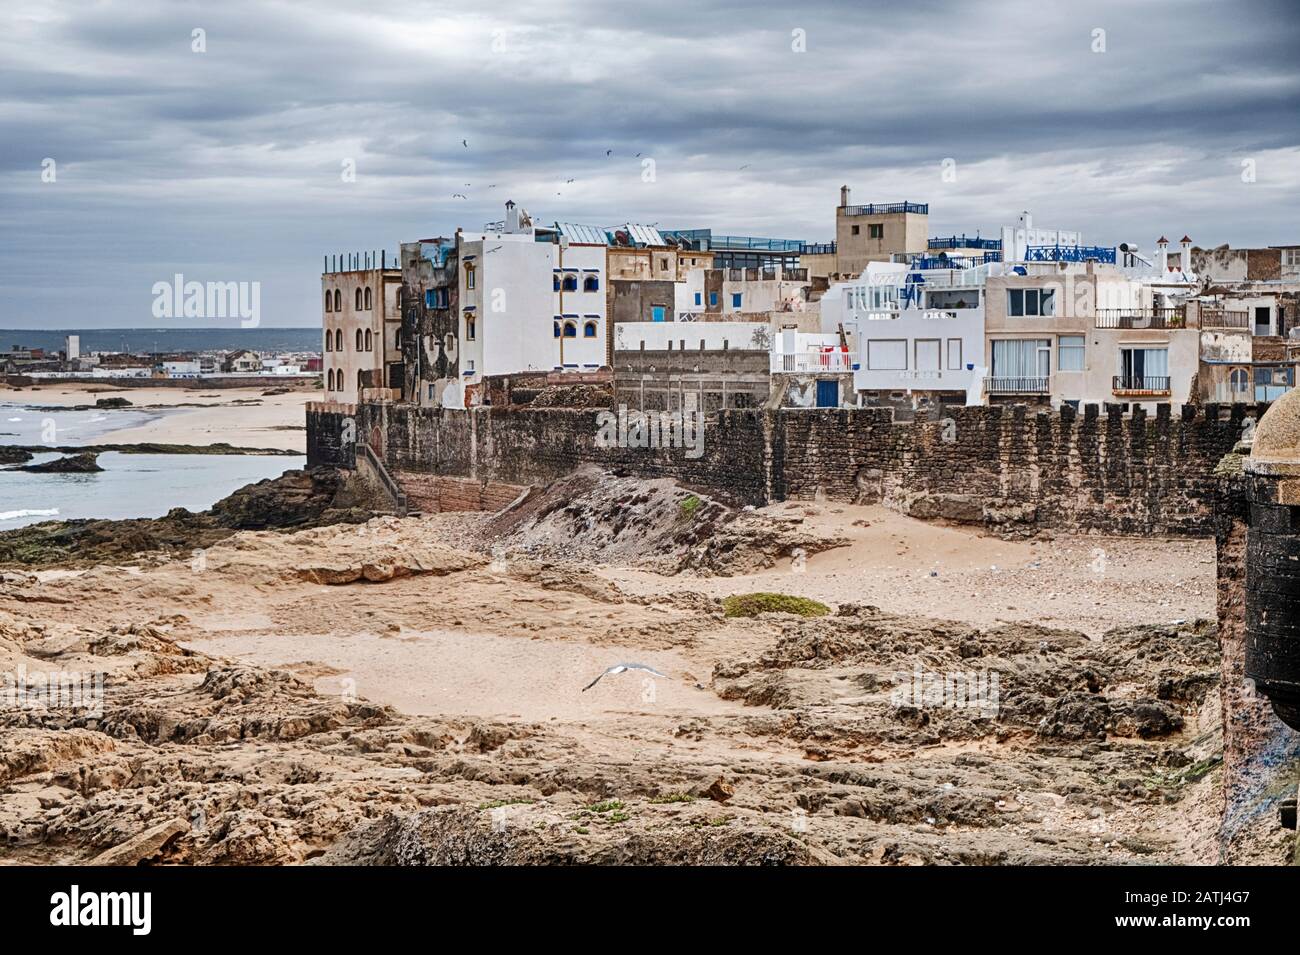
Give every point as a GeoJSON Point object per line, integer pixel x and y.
{"type": "Point", "coordinates": [619, 668]}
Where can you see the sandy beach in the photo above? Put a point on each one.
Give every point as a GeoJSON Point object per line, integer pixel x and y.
{"type": "Point", "coordinates": [245, 417]}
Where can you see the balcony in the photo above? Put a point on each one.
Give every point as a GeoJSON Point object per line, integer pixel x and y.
{"type": "Point", "coordinates": [963, 242]}
{"type": "Point", "coordinates": [1069, 253]}
{"type": "Point", "coordinates": [812, 361]}
{"type": "Point", "coordinates": [1016, 386]}
{"type": "Point", "coordinates": [1133, 385]}
{"type": "Point", "coordinates": [1214, 316]}
{"type": "Point", "coordinates": [1175, 317]}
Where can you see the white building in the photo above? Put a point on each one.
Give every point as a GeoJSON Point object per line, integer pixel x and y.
{"type": "Point", "coordinates": [531, 299]}
{"type": "Point", "coordinates": [911, 342]}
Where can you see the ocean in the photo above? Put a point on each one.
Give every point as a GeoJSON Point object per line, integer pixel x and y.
{"type": "Point", "coordinates": [131, 485]}
{"type": "Point", "coordinates": [135, 340]}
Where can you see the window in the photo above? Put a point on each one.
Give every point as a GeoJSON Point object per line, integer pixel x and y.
{"type": "Point", "coordinates": [1239, 381]}
{"type": "Point", "coordinates": [358, 307]}
{"type": "Point", "coordinates": [1145, 369]}
{"type": "Point", "coordinates": [570, 283]}
{"type": "Point", "coordinates": [658, 313]}
{"type": "Point", "coordinates": [369, 304]}
{"type": "Point", "coordinates": [735, 299]}
{"type": "Point", "coordinates": [885, 354]}
{"type": "Point", "coordinates": [1069, 353]}
{"type": "Point", "coordinates": [1022, 358]}
{"type": "Point", "coordinates": [876, 231]}
{"type": "Point", "coordinates": [469, 275]}
{"type": "Point", "coordinates": [338, 339]}
{"type": "Point", "coordinates": [329, 301]}
{"type": "Point", "coordinates": [856, 229]}
{"type": "Point", "coordinates": [557, 329]}
{"type": "Point", "coordinates": [555, 282]}
{"type": "Point", "coordinates": [713, 299]}
{"type": "Point", "coordinates": [699, 298]}
{"type": "Point", "coordinates": [954, 354]}
{"type": "Point", "coordinates": [927, 354]}
{"type": "Point", "coordinates": [1031, 301]}
{"type": "Point", "coordinates": [360, 380]}
{"type": "Point", "coordinates": [663, 265]}
{"type": "Point", "coordinates": [370, 345]}
{"type": "Point", "coordinates": [590, 283]}
{"type": "Point", "coordinates": [570, 330]}
{"type": "Point", "coordinates": [359, 348]}
{"type": "Point", "coordinates": [471, 328]}
{"type": "Point", "coordinates": [338, 300]}
{"type": "Point", "coordinates": [329, 340]}
{"type": "Point", "coordinates": [1291, 257]}
{"type": "Point", "coordinates": [589, 330]}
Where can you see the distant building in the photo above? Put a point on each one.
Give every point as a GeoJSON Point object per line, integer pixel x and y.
{"type": "Point", "coordinates": [362, 322]}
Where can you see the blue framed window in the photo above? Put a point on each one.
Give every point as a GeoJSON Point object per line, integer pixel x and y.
{"type": "Point", "coordinates": [589, 330]}
{"type": "Point", "coordinates": [735, 299]}
{"type": "Point", "coordinates": [699, 298]}
{"type": "Point", "coordinates": [570, 330]}
{"type": "Point", "coordinates": [557, 329]}
{"type": "Point", "coordinates": [657, 313]}
{"type": "Point", "coordinates": [713, 299]}
{"type": "Point", "coordinates": [591, 283]}
{"type": "Point", "coordinates": [555, 283]}
{"type": "Point", "coordinates": [570, 283]}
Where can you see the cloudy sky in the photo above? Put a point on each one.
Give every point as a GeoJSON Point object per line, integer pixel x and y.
{"type": "Point", "coordinates": [229, 164]}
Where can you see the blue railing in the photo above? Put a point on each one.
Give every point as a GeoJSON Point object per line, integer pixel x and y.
{"type": "Point", "coordinates": [707, 241]}
{"type": "Point", "coordinates": [358, 261]}
{"type": "Point", "coordinates": [888, 208]}
{"type": "Point", "coordinates": [962, 242]}
{"type": "Point", "coordinates": [1069, 253]}
{"type": "Point", "coordinates": [922, 262]}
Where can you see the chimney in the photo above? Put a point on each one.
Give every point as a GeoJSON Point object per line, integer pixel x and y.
{"type": "Point", "coordinates": [844, 196]}
{"type": "Point", "coordinates": [512, 216]}
{"type": "Point", "coordinates": [1187, 255]}
{"type": "Point", "coordinates": [1162, 250]}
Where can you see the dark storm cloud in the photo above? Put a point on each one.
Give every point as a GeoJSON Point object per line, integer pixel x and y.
{"type": "Point", "coordinates": [225, 165]}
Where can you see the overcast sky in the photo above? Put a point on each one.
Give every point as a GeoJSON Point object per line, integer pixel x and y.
{"type": "Point", "coordinates": [228, 165]}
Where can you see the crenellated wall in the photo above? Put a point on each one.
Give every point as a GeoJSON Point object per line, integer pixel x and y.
{"type": "Point", "coordinates": [1008, 468]}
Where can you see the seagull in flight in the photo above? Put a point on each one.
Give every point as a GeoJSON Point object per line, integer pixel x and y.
{"type": "Point", "coordinates": [457, 195]}
{"type": "Point", "coordinates": [621, 667]}
{"type": "Point", "coordinates": [465, 143]}
{"type": "Point", "coordinates": [609, 152]}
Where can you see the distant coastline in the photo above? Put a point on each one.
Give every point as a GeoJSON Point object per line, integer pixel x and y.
{"type": "Point", "coordinates": [141, 340]}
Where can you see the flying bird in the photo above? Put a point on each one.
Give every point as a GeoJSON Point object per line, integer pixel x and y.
{"type": "Point", "coordinates": [746, 166]}
{"type": "Point", "coordinates": [465, 143]}
{"type": "Point", "coordinates": [621, 667]}
{"type": "Point", "coordinates": [609, 152]}
{"type": "Point", "coordinates": [457, 195]}
{"type": "Point", "coordinates": [570, 180]}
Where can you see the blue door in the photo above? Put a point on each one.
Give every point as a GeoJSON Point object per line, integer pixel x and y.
{"type": "Point", "coordinates": [657, 313]}
{"type": "Point", "coordinates": [828, 394]}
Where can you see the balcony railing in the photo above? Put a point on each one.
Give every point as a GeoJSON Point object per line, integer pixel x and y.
{"type": "Point", "coordinates": [1216, 317]}
{"type": "Point", "coordinates": [962, 242]}
{"type": "Point", "coordinates": [812, 361]}
{"type": "Point", "coordinates": [1016, 386]}
{"type": "Point", "coordinates": [1174, 317]}
{"type": "Point", "coordinates": [1069, 253]}
{"type": "Point", "coordinates": [888, 208]}
{"type": "Point", "coordinates": [1140, 385]}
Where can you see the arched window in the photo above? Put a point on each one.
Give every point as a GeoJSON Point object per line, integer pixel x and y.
{"type": "Point", "coordinates": [1239, 381]}
{"type": "Point", "coordinates": [570, 330]}
{"type": "Point", "coordinates": [557, 329]}
{"type": "Point", "coordinates": [358, 308]}
{"type": "Point", "coordinates": [370, 345]}
{"type": "Point", "coordinates": [397, 340]}
{"type": "Point", "coordinates": [570, 283]}
{"type": "Point", "coordinates": [359, 348]}
{"type": "Point", "coordinates": [338, 339]}
{"type": "Point", "coordinates": [591, 283]}
{"type": "Point", "coordinates": [338, 300]}
{"type": "Point", "coordinates": [329, 380]}
{"type": "Point", "coordinates": [471, 328]}
{"type": "Point", "coordinates": [360, 379]}
{"type": "Point", "coordinates": [329, 301]}
{"type": "Point", "coordinates": [469, 275]}
{"type": "Point", "coordinates": [555, 281]}
{"type": "Point", "coordinates": [329, 340]}
{"type": "Point", "coordinates": [589, 330]}
{"type": "Point", "coordinates": [368, 303]}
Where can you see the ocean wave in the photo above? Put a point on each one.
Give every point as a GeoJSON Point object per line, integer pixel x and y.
{"type": "Point", "coordinates": [29, 512]}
